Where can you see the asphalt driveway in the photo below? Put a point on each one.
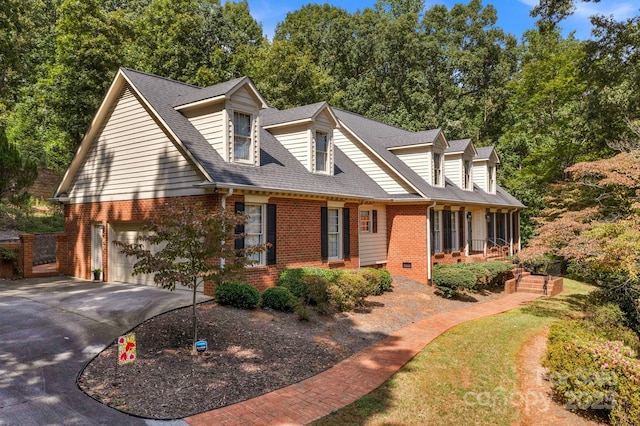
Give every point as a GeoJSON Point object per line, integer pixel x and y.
{"type": "Point", "coordinates": [50, 328]}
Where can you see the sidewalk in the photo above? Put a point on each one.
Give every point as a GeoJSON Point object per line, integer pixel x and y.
{"type": "Point", "coordinates": [349, 380]}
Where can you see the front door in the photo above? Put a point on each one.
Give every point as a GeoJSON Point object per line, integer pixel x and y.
{"type": "Point", "coordinates": [96, 246]}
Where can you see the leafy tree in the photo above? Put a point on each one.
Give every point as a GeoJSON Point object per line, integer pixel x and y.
{"type": "Point", "coordinates": [192, 240]}
{"type": "Point", "coordinates": [15, 173]}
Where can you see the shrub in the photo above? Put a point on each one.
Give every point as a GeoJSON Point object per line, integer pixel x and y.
{"type": "Point", "coordinates": [278, 298]}
{"type": "Point", "coordinates": [317, 292]}
{"type": "Point", "coordinates": [238, 294]}
{"type": "Point", "coordinates": [385, 279]}
{"type": "Point", "coordinates": [349, 291]}
{"type": "Point", "coordinates": [292, 279]}
{"type": "Point", "coordinates": [588, 372]}
{"type": "Point", "coordinates": [452, 280]}
{"type": "Point", "coordinates": [373, 278]}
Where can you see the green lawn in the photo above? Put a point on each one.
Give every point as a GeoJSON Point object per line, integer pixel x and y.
{"type": "Point", "coordinates": [466, 376]}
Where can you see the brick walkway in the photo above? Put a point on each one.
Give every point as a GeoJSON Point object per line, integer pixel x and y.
{"type": "Point", "coordinates": [318, 396]}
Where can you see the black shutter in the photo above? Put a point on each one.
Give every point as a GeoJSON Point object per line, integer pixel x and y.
{"type": "Point", "coordinates": [461, 230]}
{"type": "Point", "coordinates": [346, 234]}
{"type": "Point", "coordinates": [271, 234]}
{"type": "Point", "coordinates": [374, 221]}
{"type": "Point", "coordinates": [324, 233]}
{"type": "Point", "coordinates": [446, 230]}
{"type": "Point", "coordinates": [239, 242]}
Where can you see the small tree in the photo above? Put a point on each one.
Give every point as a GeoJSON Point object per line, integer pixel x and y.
{"type": "Point", "coordinates": [15, 173]}
{"type": "Point", "coordinates": [194, 239]}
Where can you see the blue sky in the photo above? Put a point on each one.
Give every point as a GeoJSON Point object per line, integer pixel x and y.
{"type": "Point", "coordinates": [513, 15]}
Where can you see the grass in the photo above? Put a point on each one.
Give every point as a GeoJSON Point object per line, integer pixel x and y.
{"type": "Point", "coordinates": [466, 376]}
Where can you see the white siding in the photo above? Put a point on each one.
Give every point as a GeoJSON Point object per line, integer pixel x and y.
{"type": "Point", "coordinates": [453, 169]}
{"type": "Point", "coordinates": [419, 159]}
{"type": "Point", "coordinates": [243, 101]}
{"type": "Point", "coordinates": [373, 247]}
{"type": "Point", "coordinates": [480, 175]}
{"type": "Point", "coordinates": [371, 165]}
{"type": "Point", "coordinates": [297, 141]}
{"type": "Point", "coordinates": [131, 157]}
{"type": "Point", "coordinates": [242, 98]}
{"type": "Point", "coordinates": [210, 122]}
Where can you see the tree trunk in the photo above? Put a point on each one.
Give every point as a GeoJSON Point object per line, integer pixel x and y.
{"type": "Point", "coordinates": [194, 318]}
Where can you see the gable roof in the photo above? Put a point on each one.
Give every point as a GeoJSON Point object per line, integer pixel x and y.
{"type": "Point", "coordinates": [487, 153]}
{"type": "Point", "coordinates": [272, 117]}
{"type": "Point", "coordinates": [217, 92]}
{"type": "Point", "coordinates": [279, 170]}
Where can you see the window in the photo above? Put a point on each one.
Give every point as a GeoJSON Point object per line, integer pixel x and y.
{"type": "Point", "coordinates": [492, 179]}
{"type": "Point", "coordinates": [467, 174]}
{"type": "Point", "coordinates": [436, 243]}
{"type": "Point", "coordinates": [333, 231]}
{"type": "Point", "coordinates": [437, 169]}
{"type": "Point", "coordinates": [255, 230]}
{"type": "Point", "coordinates": [454, 232]}
{"type": "Point", "coordinates": [365, 221]}
{"type": "Point", "coordinates": [322, 150]}
{"type": "Point", "coordinates": [241, 137]}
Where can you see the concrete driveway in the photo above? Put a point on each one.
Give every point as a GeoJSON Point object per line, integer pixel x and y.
{"type": "Point", "coordinates": [50, 328]}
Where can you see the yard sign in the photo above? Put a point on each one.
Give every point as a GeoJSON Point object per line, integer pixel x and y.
{"type": "Point", "coordinates": [126, 348]}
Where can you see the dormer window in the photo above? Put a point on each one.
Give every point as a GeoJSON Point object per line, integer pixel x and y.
{"type": "Point", "coordinates": [467, 174]}
{"type": "Point", "coordinates": [437, 169]}
{"type": "Point", "coordinates": [241, 137]}
{"type": "Point", "coordinates": [322, 152]}
{"type": "Point", "coordinates": [492, 179]}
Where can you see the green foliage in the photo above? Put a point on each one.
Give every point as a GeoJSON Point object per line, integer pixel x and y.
{"type": "Point", "coordinates": [589, 372]}
{"type": "Point", "coordinates": [386, 281]}
{"type": "Point", "coordinates": [349, 291]}
{"type": "Point", "coordinates": [294, 279]}
{"type": "Point", "coordinates": [8, 254]}
{"type": "Point", "coordinates": [452, 280]}
{"type": "Point", "coordinates": [191, 235]}
{"type": "Point", "coordinates": [317, 292]}
{"type": "Point", "coordinates": [278, 298]}
{"type": "Point", "coordinates": [380, 279]}
{"type": "Point", "coordinates": [237, 294]}
{"type": "Point", "coordinates": [15, 173]}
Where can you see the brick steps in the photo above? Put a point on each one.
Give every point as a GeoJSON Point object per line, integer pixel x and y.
{"type": "Point", "coordinates": [534, 284]}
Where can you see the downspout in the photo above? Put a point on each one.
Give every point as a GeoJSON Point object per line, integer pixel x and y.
{"type": "Point", "coordinates": [223, 204]}
{"type": "Point", "coordinates": [429, 242]}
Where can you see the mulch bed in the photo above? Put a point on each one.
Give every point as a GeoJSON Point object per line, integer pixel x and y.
{"type": "Point", "coordinates": [249, 352]}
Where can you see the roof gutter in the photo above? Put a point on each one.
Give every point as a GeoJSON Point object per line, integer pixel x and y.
{"type": "Point", "coordinates": [216, 186]}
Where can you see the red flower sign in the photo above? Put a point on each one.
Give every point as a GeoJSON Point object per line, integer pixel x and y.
{"type": "Point", "coordinates": [126, 349]}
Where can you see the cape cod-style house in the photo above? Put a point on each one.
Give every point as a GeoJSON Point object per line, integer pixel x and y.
{"type": "Point", "coordinates": [324, 186]}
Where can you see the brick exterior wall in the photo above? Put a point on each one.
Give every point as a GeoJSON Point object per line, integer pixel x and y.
{"type": "Point", "coordinates": [297, 242]}
{"type": "Point", "coordinates": [407, 237]}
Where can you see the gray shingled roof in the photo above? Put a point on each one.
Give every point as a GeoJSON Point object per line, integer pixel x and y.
{"type": "Point", "coordinates": [371, 132]}
{"type": "Point", "coordinates": [484, 153]}
{"type": "Point", "coordinates": [279, 169]}
{"type": "Point", "coordinates": [208, 92]}
{"type": "Point", "coordinates": [458, 146]}
{"type": "Point", "coordinates": [274, 116]}
{"type": "Point", "coordinates": [410, 138]}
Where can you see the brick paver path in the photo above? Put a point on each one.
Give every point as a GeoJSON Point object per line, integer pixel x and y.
{"type": "Point", "coordinates": [349, 380]}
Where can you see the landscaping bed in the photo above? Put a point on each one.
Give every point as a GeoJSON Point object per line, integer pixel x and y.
{"type": "Point", "coordinates": [250, 352]}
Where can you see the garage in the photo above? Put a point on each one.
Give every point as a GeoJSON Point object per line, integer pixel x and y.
{"type": "Point", "coordinates": [121, 266]}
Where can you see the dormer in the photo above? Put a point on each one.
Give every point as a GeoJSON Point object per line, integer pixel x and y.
{"type": "Point", "coordinates": [228, 116]}
{"type": "Point", "coordinates": [424, 152]}
{"type": "Point", "coordinates": [484, 169]}
{"type": "Point", "coordinates": [307, 133]}
{"type": "Point", "coordinates": [459, 163]}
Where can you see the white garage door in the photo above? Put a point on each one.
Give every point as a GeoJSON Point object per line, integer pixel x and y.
{"type": "Point", "coordinates": [121, 266]}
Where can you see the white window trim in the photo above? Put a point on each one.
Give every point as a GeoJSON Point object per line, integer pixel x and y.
{"type": "Point", "coordinates": [339, 255]}
{"type": "Point", "coordinates": [437, 231]}
{"type": "Point", "coordinates": [369, 227]}
{"type": "Point", "coordinates": [438, 182]}
{"type": "Point", "coordinates": [468, 184]}
{"type": "Point", "coordinates": [327, 153]}
{"type": "Point", "coordinates": [263, 233]}
{"type": "Point", "coordinates": [252, 138]}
